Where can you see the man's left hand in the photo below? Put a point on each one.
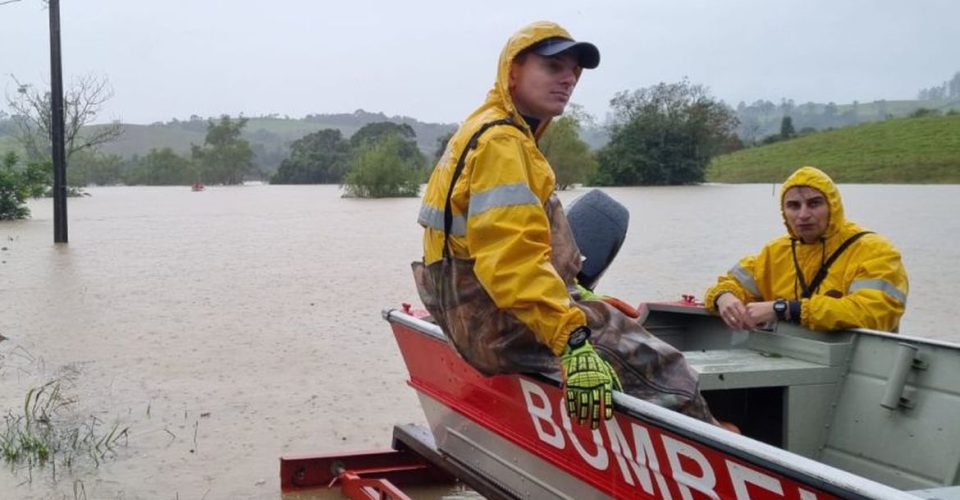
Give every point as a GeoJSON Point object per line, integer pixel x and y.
{"type": "Point", "coordinates": [589, 382]}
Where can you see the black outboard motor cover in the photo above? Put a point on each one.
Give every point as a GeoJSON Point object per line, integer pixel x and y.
{"type": "Point", "coordinates": [599, 224]}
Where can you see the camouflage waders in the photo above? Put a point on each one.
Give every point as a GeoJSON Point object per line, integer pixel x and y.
{"type": "Point", "coordinates": [494, 341]}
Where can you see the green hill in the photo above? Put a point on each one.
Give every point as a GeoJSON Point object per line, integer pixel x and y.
{"type": "Point", "coordinates": [901, 150]}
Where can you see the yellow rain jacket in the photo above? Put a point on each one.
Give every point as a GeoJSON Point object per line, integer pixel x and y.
{"type": "Point", "coordinates": [865, 287]}
{"type": "Point", "coordinates": [499, 219]}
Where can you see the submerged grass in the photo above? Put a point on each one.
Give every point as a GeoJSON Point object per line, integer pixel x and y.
{"type": "Point", "coordinates": [48, 431]}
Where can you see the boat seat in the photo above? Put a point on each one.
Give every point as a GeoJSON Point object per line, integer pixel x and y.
{"type": "Point", "coordinates": [746, 368]}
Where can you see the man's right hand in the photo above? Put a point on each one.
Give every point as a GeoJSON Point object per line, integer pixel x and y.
{"type": "Point", "coordinates": [589, 382]}
{"type": "Point", "coordinates": [733, 312]}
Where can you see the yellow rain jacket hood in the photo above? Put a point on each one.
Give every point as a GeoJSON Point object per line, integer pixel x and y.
{"type": "Point", "coordinates": [865, 287]}
{"type": "Point", "coordinates": [498, 205]}
{"type": "Point", "coordinates": [815, 178]}
{"type": "Point", "coordinates": [498, 98]}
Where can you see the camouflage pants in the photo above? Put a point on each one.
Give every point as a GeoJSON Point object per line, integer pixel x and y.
{"type": "Point", "coordinates": [649, 368]}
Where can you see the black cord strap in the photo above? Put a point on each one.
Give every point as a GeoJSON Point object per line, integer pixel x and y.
{"type": "Point", "coordinates": [808, 290]}
{"type": "Point", "coordinates": [471, 144]}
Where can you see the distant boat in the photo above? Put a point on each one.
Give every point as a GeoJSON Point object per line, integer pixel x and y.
{"type": "Point", "coordinates": [197, 186]}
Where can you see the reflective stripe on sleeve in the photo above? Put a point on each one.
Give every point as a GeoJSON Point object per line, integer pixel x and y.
{"type": "Point", "coordinates": [502, 196]}
{"type": "Point", "coordinates": [882, 285]}
{"type": "Point", "coordinates": [746, 280]}
{"type": "Point", "coordinates": [433, 218]}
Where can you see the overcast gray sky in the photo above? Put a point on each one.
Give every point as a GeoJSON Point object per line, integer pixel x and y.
{"type": "Point", "coordinates": [435, 60]}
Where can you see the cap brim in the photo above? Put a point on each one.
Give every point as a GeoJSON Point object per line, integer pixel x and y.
{"type": "Point", "coordinates": [588, 56]}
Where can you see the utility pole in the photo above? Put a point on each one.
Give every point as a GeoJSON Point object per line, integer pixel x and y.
{"type": "Point", "coordinates": [57, 128]}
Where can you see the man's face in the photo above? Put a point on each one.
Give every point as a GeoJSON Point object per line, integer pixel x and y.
{"type": "Point", "coordinates": [541, 86]}
{"type": "Point", "coordinates": [807, 212]}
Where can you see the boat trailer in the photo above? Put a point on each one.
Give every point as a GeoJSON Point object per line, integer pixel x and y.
{"type": "Point", "coordinates": [413, 461]}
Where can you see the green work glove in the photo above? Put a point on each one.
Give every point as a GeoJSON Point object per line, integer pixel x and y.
{"type": "Point", "coordinates": [587, 294]}
{"type": "Point", "coordinates": [589, 382]}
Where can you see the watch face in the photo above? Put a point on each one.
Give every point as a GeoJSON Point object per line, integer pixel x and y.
{"type": "Point", "coordinates": [578, 337]}
{"type": "Point", "coordinates": [780, 308]}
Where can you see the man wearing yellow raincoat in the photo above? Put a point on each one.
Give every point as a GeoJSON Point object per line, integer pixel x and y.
{"type": "Point", "coordinates": [499, 266]}
{"type": "Point", "coordinates": [826, 273]}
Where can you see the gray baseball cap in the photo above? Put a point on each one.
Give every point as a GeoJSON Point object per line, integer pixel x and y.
{"type": "Point", "coordinates": [588, 56]}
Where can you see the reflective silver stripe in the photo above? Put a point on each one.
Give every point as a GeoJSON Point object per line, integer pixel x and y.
{"type": "Point", "coordinates": [433, 218]}
{"type": "Point", "coordinates": [745, 279]}
{"type": "Point", "coordinates": [501, 196]}
{"type": "Point", "coordinates": [882, 285]}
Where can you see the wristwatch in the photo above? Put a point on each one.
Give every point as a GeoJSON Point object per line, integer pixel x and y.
{"type": "Point", "coordinates": [780, 307]}
{"type": "Point", "coordinates": [578, 337]}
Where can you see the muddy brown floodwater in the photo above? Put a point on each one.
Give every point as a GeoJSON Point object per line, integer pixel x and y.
{"type": "Point", "coordinates": [227, 327]}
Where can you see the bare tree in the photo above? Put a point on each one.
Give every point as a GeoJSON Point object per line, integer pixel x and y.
{"type": "Point", "coordinates": [82, 102]}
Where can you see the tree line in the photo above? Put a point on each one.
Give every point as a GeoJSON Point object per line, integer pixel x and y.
{"type": "Point", "coordinates": [271, 135]}
{"type": "Point", "coordinates": [225, 157]}
{"type": "Point", "coordinates": [379, 160]}
{"type": "Point", "coordinates": [665, 134]}
{"type": "Point", "coordinates": [660, 135]}
{"type": "Point", "coordinates": [949, 89]}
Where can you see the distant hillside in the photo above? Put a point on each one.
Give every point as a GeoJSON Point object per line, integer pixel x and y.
{"type": "Point", "coordinates": [762, 118]}
{"type": "Point", "coordinates": [270, 136]}
{"type": "Point", "coordinates": [900, 150]}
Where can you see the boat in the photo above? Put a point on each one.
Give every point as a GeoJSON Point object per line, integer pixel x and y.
{"type": "Point", "coordinates": [197, 186]}
{"type": "Point", "coordinates": [844, 414]}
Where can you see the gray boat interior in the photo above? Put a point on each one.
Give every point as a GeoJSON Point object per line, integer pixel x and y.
{"type": "Point", "coordinates": [883, 406]}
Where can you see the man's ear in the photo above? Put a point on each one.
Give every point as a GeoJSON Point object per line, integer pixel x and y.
{"type": "Point", "coordinates": [515, 69]}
